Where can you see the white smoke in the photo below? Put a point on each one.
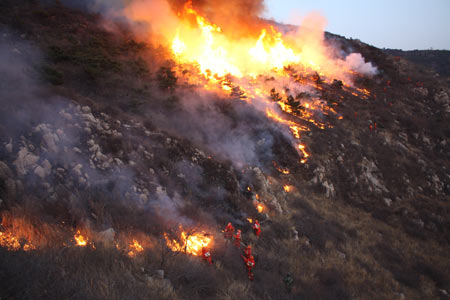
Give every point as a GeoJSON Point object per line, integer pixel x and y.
{"type": "Point", "coordinates": [356, 62]}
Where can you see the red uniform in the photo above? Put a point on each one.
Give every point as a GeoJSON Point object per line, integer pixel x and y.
{"type": "Point", "coordinates": [229, 231]}
{"type": "Point", "coordinates": [248, 251]}
{"type": "Point", "coordinates": [237, 238]}
{"type": "Point", "coordinates": [257, 228]}
{"type": "Point", "coordinates": [249, 264]}
{"type": "Point", "coordinates": [206, 255]}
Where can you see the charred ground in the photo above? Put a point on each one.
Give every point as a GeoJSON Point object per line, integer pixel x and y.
{"type": "Point", "coordinates": [368, 216]}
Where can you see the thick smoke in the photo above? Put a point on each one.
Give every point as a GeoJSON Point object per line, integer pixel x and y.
{"type": "Point", "coordinates": [356, 62]}
{"type": "Point", "coordinates": [245, 14]}
{"type": "Point", "coordinates": [61, 153]}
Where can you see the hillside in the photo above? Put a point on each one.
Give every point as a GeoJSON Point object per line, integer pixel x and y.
{"type": "Point", "coordinates": [438, 60]}
{"type": "Point", "coordinates": [112, 152]}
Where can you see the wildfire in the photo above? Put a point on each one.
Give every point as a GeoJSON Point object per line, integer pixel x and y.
{"type": "Point", "coordinates": [260, 207]}
{"type": "Point", "coordinates": [287, 188]}
{"type": "Point", "coordinates": [250, 220]}
{"type": "Point", "coordinates": [189, 243]}
{"type": "Point", "coordinates": [279, 169]}
{"type": "Point", "coordinates": [135, 249]}
{"type": "Point", "coordinates": [217, 55]}
{"type": "Point", "coordinates": [80, 239]}
{"type": "Point", "coordinates": [305, 154]}
{"type": "Point", "coordinates": [12, 243]}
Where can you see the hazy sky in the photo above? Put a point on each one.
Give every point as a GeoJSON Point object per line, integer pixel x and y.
{"type": "Point", "coordinates": [399, 24]}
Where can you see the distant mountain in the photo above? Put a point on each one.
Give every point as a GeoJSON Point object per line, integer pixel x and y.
{"type": "Point", "coordinates": [438, 60]}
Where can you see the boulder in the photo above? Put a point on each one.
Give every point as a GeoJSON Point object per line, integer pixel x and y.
{"type": "Point", "coordinates": [371, 176]}
{"type": "Point", "coordinates": [5, 171]}
{"type": "Point", "coordinates": [40, 172]}
{"type": "Point", "coordinates": [47, 167]}
{"type": "Point", "coordinates": [106, 237]}
{"type": "Point", "coordinates": [442, 98]}
{"type": "Point", "coordinates": [159, 274]}
{"type": "Point", "coordinates": [9, 146]}
{"type": "Point", "coordinates": [50, 140]}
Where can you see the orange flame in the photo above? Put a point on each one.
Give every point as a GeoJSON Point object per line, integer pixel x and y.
{"type": "Point", "coordinates": [279, 169]}
{"type": "Point", "coordinates": [287, 188]}
{"type": "Point", "coordinates": [189, 243]}
{"type": "Point", "coordinates": [12, 243]}
{"type": "Point", "coordinates": [250, 220]}
{"type": "Point", "coordinates": [80, 239]}
{"type": "Point", "coordinates": [135, 249]}
{"type": "Point", "coordinates": [260, 207]}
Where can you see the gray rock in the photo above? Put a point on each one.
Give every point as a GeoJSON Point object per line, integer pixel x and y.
{"type": "Point", "coordinates": [371, 176]}
{"type": "Point", "coordinates": [330, 192]}
{"type": "Point", "coordinates": [86, 109]}
{"type": "Point", "coordinates": [106, 237]}
{"type": "Point", "coordinates": [418, 222]}
{"type": "Point", "coordinates": [47, 167]}
{"type": "Point", "coordinates": [341, 255]}
{"type": "Point", "coordinates": [442, 98]}
{"type": "Point", "coordinates": [40, 172]}
{"type": "Point", "coordinates": [77, 169]}
{"type": "Point", "coordinates": [9, 146]}
{"type": "Point", "coordinates": [5, 171]}
{"type": "Point", "coordinates": [159, 274]}
{"type": "Point", "coordinates": [143, 198]}
{"type": "Point", "coordinates": [50, 141]}
{"type": "Point", "coordinates": [426, 140]}
{"type": "Point", "coordinates": [294, 234]}
{"type": "Point", "coordinates": [387, 201]}
{"type": "Point", "coordinates": [65, 115]}
{"type": "Point", "coordinates": [101, 157]}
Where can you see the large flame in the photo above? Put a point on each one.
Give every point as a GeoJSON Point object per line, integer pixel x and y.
{"type": "Point", "coordinates": [253, 62]}
{"type": "Point", "coordinates": [135, 248]}
{"type": "Point", "coordinates": [189, 243]}
{"type": "Point", "coordinates": [80, 239]}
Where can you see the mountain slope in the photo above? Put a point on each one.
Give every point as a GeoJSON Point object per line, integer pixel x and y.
{"type": "Point", "coordinates": [100, 133]}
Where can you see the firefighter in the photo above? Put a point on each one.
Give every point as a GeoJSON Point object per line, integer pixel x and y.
{"type": "Point", "coordinates": [257, 228]}
{"type": "Point", "coordinates": [249, 264]}
{"type": "Point", "coordinates": [206, 255]}
{"type": "Point", "coordinates": [237, 238]}
{"type": "Point", "coordinates": [370, 124]}
{"type": "Point", "coordinates": [229, 231]}
{"type": "Point", "coordinates": [248, 251]}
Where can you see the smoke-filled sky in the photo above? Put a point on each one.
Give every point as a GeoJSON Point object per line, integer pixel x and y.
{"type": "Point", "coordinates": [398, 24]}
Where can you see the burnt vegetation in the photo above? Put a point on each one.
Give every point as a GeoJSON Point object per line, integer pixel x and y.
{"type": "Point", "coordinates": [368, 215]}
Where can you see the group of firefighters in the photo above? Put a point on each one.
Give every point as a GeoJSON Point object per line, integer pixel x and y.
{"type": "Point", "coordinates": [229, 234]}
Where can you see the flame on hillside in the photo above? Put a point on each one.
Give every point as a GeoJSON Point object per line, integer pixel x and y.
{"type": "Point", "coordinates": [190, 243]}
{"type": "Point", "coordinates": [80, 239]}
{"type": "Point", "coordinates": [253, 60]}
{"type": "Point", "coordinates": [260, 207]}
{"type": "Point", "coordinates": [135, 248]}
